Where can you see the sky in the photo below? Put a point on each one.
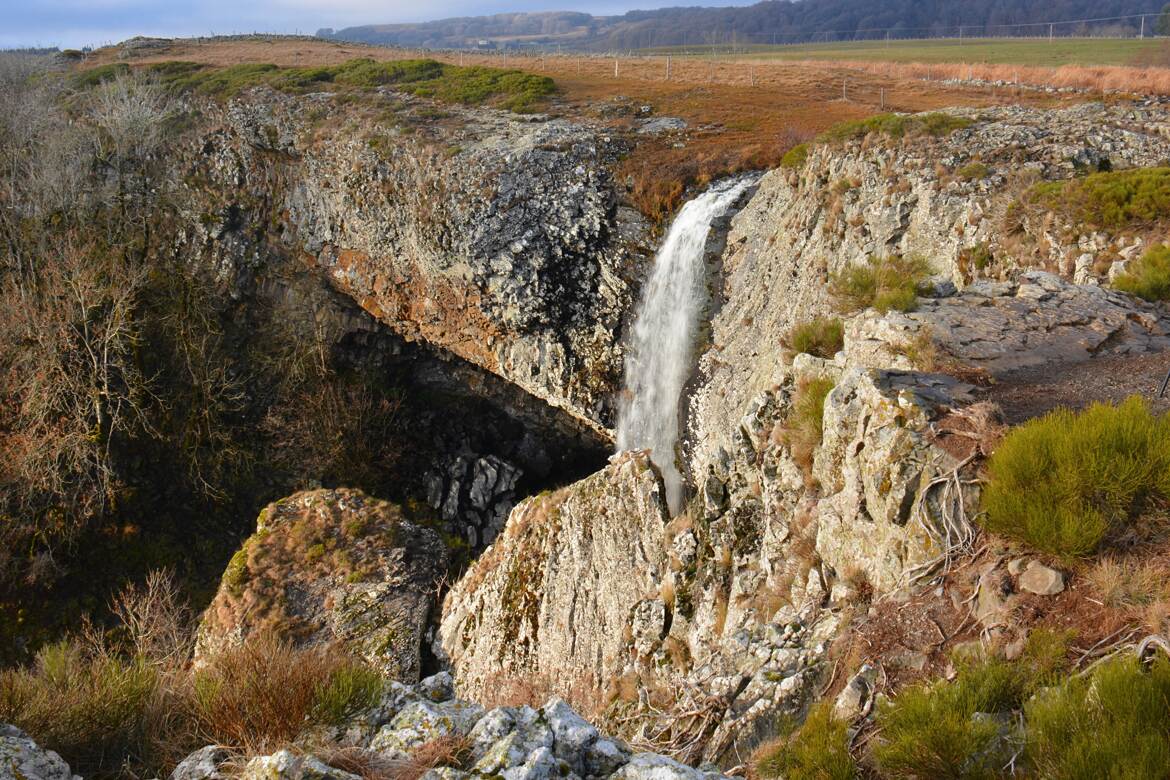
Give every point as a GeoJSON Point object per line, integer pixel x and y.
{"type": "Point", "coordinates": [77, 23]}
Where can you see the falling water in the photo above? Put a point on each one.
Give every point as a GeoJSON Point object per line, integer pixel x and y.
{"type": "Point", "coordinates": [660, 356]}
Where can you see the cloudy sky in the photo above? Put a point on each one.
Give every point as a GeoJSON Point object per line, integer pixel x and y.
{"type": "Point", "coordinates": [75, 23]}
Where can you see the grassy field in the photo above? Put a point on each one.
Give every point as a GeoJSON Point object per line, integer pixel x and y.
{"type": "Point", "coordinates": [1018, 51]}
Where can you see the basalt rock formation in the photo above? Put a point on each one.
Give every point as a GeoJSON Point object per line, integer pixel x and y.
{"type": "Point", "coordinates": [495, 237]}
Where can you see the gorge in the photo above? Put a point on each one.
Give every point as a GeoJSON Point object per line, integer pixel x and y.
{"type": "Point", "coordinates": [375, 327]}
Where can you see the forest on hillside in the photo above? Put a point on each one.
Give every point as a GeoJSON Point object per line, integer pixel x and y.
{"type": "Point", "coordinates": [780, 21]}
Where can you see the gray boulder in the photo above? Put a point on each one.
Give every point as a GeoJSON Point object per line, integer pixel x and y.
{"type": "Point", "coordinates": [423, 721]}
{"type": "Point", "coordinates": [22, 759]}
{"type": "Point", "coordinates": [651, 766]}
{"type": "Point", "coordinates": [285, 765]}
{"type": "Point", "coordinates": [203, 764]}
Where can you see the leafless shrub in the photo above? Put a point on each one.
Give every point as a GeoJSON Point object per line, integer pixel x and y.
{"type": "Point", "coordinates": [156, 619]}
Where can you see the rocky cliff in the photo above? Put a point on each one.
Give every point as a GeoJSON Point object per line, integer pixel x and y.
{"type": "Point", "coordinates": [493, 236]}
{"type": "Point", "coordinates": [694, 634]}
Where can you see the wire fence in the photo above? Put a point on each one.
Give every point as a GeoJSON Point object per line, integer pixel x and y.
{"type": "Point", "coordinates": [872, 83]}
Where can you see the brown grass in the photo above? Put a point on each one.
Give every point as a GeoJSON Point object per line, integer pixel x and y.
{"type": "Point", "coordinates": [258, 697]}
{"type": "Point", "coordinates": [451, 751]}
{"type": "Point", "coordinates": [1151, 80]}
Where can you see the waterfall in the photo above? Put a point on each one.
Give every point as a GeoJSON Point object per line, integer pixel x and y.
{"type": "Point", "coordinates": [661, 348]}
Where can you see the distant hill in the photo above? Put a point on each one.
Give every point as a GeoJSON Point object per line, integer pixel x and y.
{"type": "Point", "coordinates": [782, 21]}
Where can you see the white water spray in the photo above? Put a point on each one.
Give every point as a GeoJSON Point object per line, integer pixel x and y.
{"type": "Point", "coordinates": [660, 352]}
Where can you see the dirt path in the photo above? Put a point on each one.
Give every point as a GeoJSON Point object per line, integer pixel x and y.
{"type": "Point", "coordinates": [1033, 392]}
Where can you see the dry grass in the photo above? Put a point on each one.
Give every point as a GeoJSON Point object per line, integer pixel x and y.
{"type": "Point", "coordinates": [1138, 586]}
{"type": "Point", "coordinates": [1099, 78]}
{"type": "Point", "coordinates": [805, 420]}
{"type": "Point", "coordinates": [449, 751]}
{"type": "Point", "coordinates": [259, 696]}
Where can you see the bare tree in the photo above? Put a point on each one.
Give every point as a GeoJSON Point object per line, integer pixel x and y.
{"type": "Point", "coordinates": [45, 160]}
{"type": "Point", "coordinates": [69, 384]}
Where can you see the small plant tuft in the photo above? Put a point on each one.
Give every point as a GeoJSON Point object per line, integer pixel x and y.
{"type": "Point", "coordinates": [803, 428]}
{"type": "Point", "coordinates": [819, 750]}
{"type": "Point", "coordinates": [973, 172]}
{"type": "Point", "coordinates": [884, 283]}
{"type": "Point", "coordinates": [795, 157]}
{"type": "Point", "coordinates": [823, 337]}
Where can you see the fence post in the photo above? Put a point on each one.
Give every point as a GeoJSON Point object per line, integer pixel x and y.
{"type": "Point", "coordinates": [883, 98]}
{"type": "Point", "coordinates": [668, 67]}
{"type": "Point", "coordinates": [844, 97]}
{"type": "Point", "coordinates": [615, 67]}
{"type": "Point", "coordinates": [752, 74]}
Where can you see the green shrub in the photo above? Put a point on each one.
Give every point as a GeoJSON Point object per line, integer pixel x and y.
{"type": "Point", "coordinates": [473, 85]}
{"type": "Point", "coordinates": [1111, 724]}
{"type": "Point", "coordinates": [823, 337]}
{"type": "Point", "coordinates": [1065, 482]}
{"type": "Point", "coordinates": [795, 157]}
{"type": "Point", "coordinates": [932, 730]}
{"type": "Point", "coordinates": [1149, 276]}
{"type": "Point", "coordinates": [1107, 200]}
{"type": "Point", "coordinates": [92, 708]}
{"type": "Point", "coordinates": [94, 76]}
{"type": "Point", "coordinates": [885, 283]}
{"type": "Point", "coordinates": [348, 691]}
{"type": "Point", "coordinates": [896, 126]}
{"type": "Point", "coordinates": [973, 172]}
{"type": "Point", "coordinates": [819, 750]}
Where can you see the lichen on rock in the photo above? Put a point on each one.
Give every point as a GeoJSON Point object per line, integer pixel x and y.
{"type": "Point", "coordinates": [332, 566]}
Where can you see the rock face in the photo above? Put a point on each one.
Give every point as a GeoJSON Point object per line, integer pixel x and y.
{"type": "Point", "coordinates": [876, 196]}
{"type": "Point", "coordinates": [583, 560]}
{"type": "Point", "coordinates": [492, 236]}
{"type": "Point", "coordinates": [591, 594]}
{"type": "Point", "coordinates": [329, 566]}
{"type": "Point", "coordinates": [516, 743]}
{"type": "Point", "coordinates": [22, 759]}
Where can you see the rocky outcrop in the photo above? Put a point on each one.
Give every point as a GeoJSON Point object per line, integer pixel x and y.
{"type": "Point", "coordinates": [997, 328]}
{"type": "Point", "coordinates": [22, 759]}
{"type": "Point", "coordinates": [492, 236]}
{"type": "Point", "coordinates": [516, 743]}
{"type": "Point", "coordinates": [550, 604]}
{"type": "Point", "coordinates": [591, 594]}
{"type": "Point", "coordinates": [337, 567]}
{"type": "Point", "coordinates": [878, 196]}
